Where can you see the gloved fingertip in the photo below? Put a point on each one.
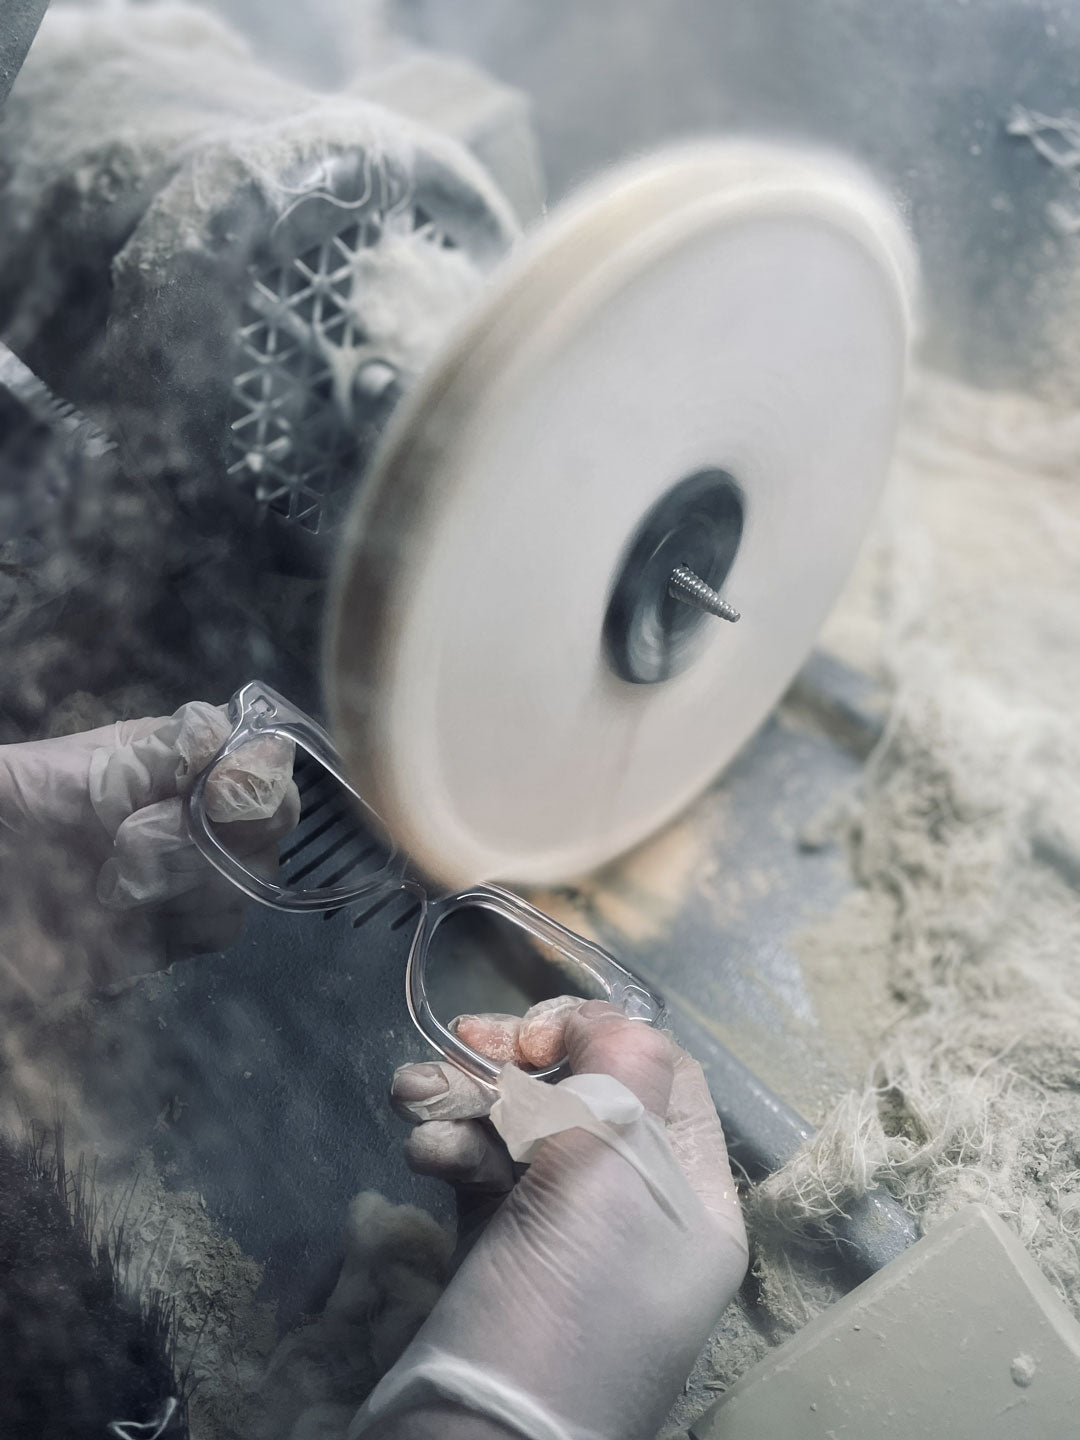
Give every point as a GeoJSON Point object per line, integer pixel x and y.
{"type": "Point", "coordinates": [493, 1036]}
{"type": "Point", "coordinates": [595, 1010]}
{"type": "Point", "coordinates": [418, 1082]}
{"type": "Point", "coordinates": [434, 1148]}
{"type": "Point", "coordinates": [119, 889]}
{"type": "Point", "coordinates": [600, 1039]}
{"type": "Point", "coordinates": [252, 782]}
{"type": "Point", "coordinates": [201, 730]}
{"type": "Point", "coordinates": [541, 1041]}
{"type": "Point", "coordinates": [461, 1153]}
{"type": "Point", "coordinates": [234, 795]}
{"type": "Point", "coordinates": [108, 882]}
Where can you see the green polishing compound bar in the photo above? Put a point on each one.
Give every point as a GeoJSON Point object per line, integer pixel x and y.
{"type": "Point", "coordinates": [960, 1338]}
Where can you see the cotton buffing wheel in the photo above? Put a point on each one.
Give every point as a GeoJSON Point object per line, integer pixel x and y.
{"type": "Point", "coordinates": [700, 363]}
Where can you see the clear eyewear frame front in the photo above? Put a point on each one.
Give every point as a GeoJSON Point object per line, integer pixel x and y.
{"type": "Point", "coordinates": [256, 711]}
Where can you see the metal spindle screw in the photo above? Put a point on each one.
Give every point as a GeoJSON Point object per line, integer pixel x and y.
{"type": "Point", "coordinates": [684, 585]}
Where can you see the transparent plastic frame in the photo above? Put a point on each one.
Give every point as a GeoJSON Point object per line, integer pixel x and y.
{"type": "Point", "coordinates": [257, 710]}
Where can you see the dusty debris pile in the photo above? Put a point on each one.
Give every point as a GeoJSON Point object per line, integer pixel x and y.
{"type": "Point", "coordinates": [961, 942]}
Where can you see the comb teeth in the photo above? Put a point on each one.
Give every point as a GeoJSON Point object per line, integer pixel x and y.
{"type": "Point", "coordinates": [328, 848]}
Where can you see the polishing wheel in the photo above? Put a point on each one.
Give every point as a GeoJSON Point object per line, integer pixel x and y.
{"type": "Point", "coordinates": [674, 406]}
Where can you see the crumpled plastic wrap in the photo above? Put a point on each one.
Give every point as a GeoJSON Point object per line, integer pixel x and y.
{"type": "Point", "coordinates": [528, 1112]}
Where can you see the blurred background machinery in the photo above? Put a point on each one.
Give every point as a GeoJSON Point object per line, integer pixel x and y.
{"type": "Point", "coordinates": [237, 278]}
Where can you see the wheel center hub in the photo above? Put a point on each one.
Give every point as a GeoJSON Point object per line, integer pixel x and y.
{"type": "Point", "coordinates": [649, 634]}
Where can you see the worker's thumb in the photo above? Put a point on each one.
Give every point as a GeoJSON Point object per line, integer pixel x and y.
{"type": "Point", "coordinates": [600, 1040]}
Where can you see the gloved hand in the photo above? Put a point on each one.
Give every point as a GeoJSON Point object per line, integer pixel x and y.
{"type": "Point", "coordinates": [98, 879]}
{"type": "Point", "coordinates": [582, 1306]}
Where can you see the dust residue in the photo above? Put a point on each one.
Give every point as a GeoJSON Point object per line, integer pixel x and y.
{"type": "Point", "coordinates": [635, 896]}
{"type": "Point", "coordinates": [396, 1262]}
{"type": "Point", "coordinates": [783, 1068]}
{"type": "Point", "coordinates": [948, 982]}
{"type": "Point", "coordinates": [245, 1382]}
{"type": "Point", "coordinates": [845, 965]}
{"type": "Point", "coordinates": [976, 549]}
{"type": "Point", "coordinates": [225, 1335]}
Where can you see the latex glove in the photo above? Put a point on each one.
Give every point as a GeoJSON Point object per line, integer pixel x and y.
{"type": "Point", "coordinates": [582, 1306]}
{"type": "Point", "coordinates": [98, 878]}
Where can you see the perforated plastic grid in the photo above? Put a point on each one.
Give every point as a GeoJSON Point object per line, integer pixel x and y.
{"type": "Point", "coordinates": [296, 419]}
